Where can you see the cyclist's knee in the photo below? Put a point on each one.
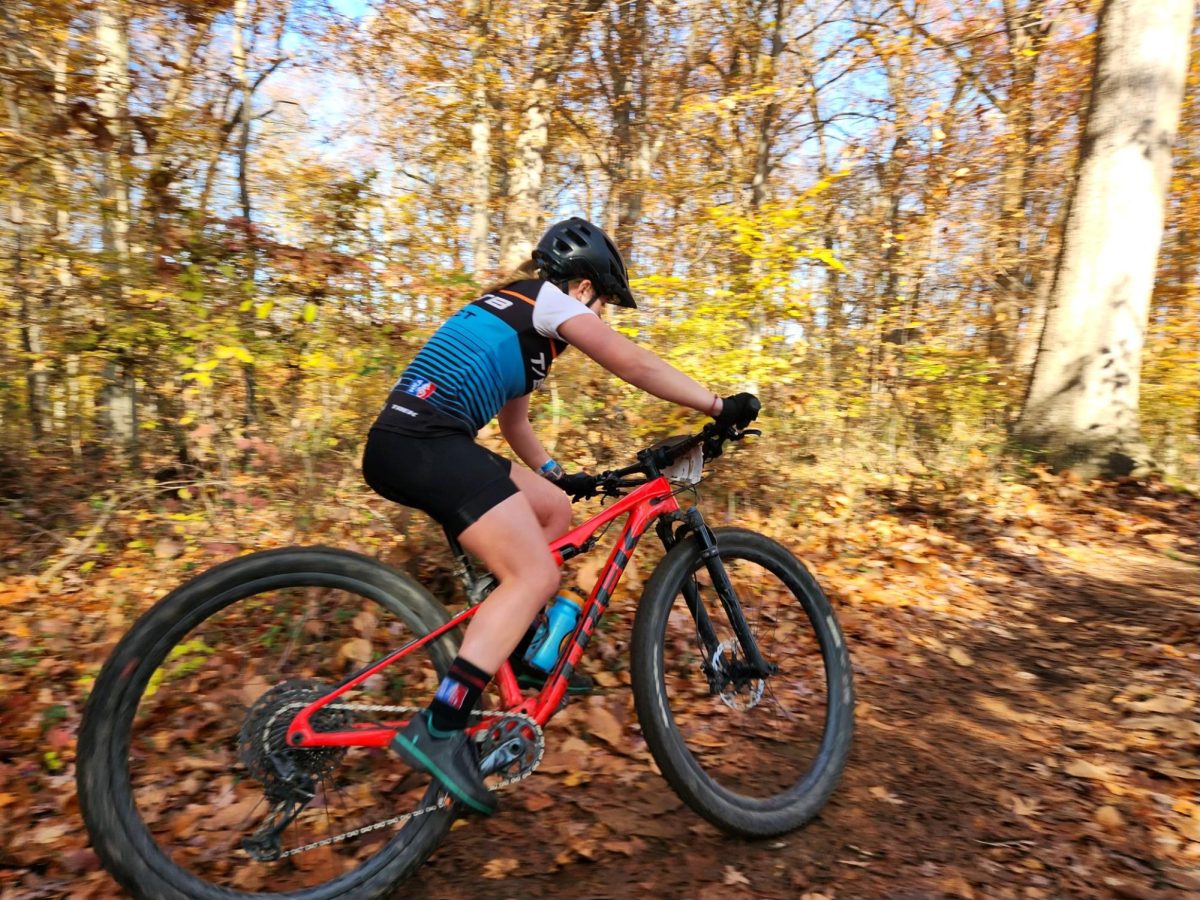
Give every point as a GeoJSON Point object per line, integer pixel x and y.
{"type": "Point", "coordinates": [543, 580]}
{"type": "Point", "coordinates": [533, 575]}
{"type": "Point", "coordinates": [557, 515]}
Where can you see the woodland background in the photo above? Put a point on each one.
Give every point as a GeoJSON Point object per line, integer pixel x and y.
{"type": "Point", "coordinates": [226, 225]}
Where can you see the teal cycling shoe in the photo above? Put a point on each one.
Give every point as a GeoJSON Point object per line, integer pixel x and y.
{"type": "Point", "coordinates": [449, 757]}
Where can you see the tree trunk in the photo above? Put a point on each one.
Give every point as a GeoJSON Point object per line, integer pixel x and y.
{"type": "Point", "coordinates": [1026, 38]}
{"type": "Point", "coordinates": [243, 82]}
{"type": "Point", "coordinates": [525, 187]}
{"type": "Point", "coordinates": [112, 99]}
{"type": "Point", "coordinates": [480, 166]}
{"type": "Point", "coordinates": [57, 292]}
{"type": "Point", "coordinates": [1081, 409]}
{"type": "Point", "coordinates": [29, 313]}
{"type": "Point", "coordinates": [631, 69]}
{"type": "Point", "coordinates": [558, 28]}
{"type": "Point", "coordinates": [892, 173]}
{"type": "Point", "coordinates": [242, 77]}
{"type": "Point", "coordinates": [119, 404]}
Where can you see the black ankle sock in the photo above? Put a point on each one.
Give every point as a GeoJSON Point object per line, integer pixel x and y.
{"type": "Point", "coordinates": [457, 695]}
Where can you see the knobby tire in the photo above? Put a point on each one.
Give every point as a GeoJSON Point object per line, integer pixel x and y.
{"type": "Point", "coordinates": [120, 837]}
{"type": "Point", "coordinates": [733, 811]}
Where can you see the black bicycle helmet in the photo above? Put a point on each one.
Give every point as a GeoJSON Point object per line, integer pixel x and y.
{"type": "Point", "coordinates": [575, 248]}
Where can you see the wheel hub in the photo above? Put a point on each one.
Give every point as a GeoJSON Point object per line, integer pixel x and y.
{"type": "Point", "coordinates": [737, 691]}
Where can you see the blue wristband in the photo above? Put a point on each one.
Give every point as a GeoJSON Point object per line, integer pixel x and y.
{"type": "Point", "coordinates": [548, 466]}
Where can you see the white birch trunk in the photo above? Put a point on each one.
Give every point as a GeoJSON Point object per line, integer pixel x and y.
{"type": "Point", "coordinates": [558, 26]}
{"type": "Point", "coordinates": [119, 394]}
{"type": "Point", "coordinates": [112, 98]}
{"type": "Point", "coordinates": [1082, 404]}
{"type": "Point", "coordinates": [30, 313]}
{"type": "Point", "coordinates": [525, 186]}
{"type": "Point", "coordinates": [481, 143]}
{"type": "Point", "coordinates": [481, 180]}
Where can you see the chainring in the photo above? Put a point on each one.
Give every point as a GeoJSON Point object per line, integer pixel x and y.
{"type": "Point", "coordinates": [262, 741]}
{"type": "Point", "coordinates": [524, 740]}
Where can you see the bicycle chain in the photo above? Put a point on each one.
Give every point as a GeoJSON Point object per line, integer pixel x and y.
{"type": "Point", "coordinates": [443, 798]}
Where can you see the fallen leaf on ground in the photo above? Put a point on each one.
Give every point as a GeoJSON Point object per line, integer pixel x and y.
{"type": "Point", "coordinates": [1109, 817]}
{"type": "Point", "coordinates": [1083, 769]}
{"type": "Point", "coordinates": [501, 867]}
{"type": "Point", "coordinates": [1023, 807]}
{"type": "Point", "coordinates": [1164, 703]}
{"type": "Point", "coordinates": [733, 876]}
{"type": "Point", "coordinates": [167, 549]}
{"type": "Point", "coordinates": [357, 650]}
{"type": "Point", "coordinates": [604, 725]}
{"type": "Point", "coordinates": [1190, 828]}
{"type": "Point", "coordinates": [882, 793]}
{"type": "Point", "coordinates": [538, 802]}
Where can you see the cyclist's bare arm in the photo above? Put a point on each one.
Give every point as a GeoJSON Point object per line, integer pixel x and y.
{"type": "Point", "coordinates": [634, 364]}
{"type": "Point", "coordinates": [513, 420]}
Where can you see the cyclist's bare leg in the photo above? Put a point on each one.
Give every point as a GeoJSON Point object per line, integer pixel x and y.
{"type": "Point", "coordinates": [511, 542]}
{"type": "Point", "coordinates": [551, 506]}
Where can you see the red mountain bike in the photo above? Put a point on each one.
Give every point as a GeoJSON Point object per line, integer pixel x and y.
{"type": "Point", "coordinates": [224, 753]}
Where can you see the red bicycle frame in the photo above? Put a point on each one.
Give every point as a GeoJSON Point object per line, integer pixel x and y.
{"type": "Point", "coordinates": [644, 505]}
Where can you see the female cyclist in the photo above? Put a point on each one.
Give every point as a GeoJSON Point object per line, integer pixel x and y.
{"type": "Point", "coordinates": [484, 362]}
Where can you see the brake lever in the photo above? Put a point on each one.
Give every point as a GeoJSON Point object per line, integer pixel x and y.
{"type": "Point", "coordinates": [714, 443]}
{"type": "Point", "coordinates": [604, 486]}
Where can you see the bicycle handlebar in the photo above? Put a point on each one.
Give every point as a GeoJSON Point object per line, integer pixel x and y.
{"type": "Point", "coordinates": [652, 460]}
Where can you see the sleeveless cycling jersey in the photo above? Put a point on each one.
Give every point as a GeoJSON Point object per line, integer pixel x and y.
{"type": "Point", "coordinates": [490, 352]}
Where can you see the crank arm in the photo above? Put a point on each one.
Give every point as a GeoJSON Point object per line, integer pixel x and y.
{"type": "Point", "coordinates": [506, 753]}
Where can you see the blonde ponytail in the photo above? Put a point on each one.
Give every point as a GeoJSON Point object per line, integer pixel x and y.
{"type": "Point", "coordinates": [527, 269]}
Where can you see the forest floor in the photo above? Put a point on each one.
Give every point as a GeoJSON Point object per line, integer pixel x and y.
{"type": "Point", "coordinates": [1027, 669]}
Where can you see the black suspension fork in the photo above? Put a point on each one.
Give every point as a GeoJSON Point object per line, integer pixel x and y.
{"type": "Point", "coordinates": [691, 593]}
{"type": "Point", "coordinates": [694, 522]}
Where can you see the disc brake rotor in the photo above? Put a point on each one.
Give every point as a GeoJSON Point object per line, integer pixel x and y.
{"type": "Point", "coordinates": [738, 693]}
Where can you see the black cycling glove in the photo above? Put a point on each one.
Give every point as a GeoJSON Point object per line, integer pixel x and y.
{"type": "Point", "coordinates": [578, 485]}
{"type": "Point", "coordinates": [738, 410]}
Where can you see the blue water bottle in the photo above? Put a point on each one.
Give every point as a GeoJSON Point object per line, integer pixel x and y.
{"type": "Point", "coordinates": [560, 621]}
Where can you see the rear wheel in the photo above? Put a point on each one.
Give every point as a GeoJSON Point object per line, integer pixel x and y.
{"type": "Point", "coordinates": [185, 783]}
{"type": "Point", "coordinates": [755, 756]}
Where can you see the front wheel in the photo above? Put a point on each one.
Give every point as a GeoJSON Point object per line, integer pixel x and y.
{"type": "Point", "coordinates": [755, 756]}
{"type": "Point", "coordinates": [185, 783]}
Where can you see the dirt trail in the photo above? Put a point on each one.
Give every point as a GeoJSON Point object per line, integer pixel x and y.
{"type": "Point", "coordinates": [1027, 664]}
{"type": "Point", "coordinates": [1013, 772]}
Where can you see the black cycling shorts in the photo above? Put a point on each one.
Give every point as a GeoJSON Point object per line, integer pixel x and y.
{"type": "Point", "coordinates": [448, 476]}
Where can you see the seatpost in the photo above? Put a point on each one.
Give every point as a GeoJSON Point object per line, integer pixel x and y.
{"type": "Point", "coordinates": [475, 587]}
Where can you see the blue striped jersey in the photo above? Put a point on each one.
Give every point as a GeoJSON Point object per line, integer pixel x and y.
{"type": "Point", "coordinates": [491, 351]}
